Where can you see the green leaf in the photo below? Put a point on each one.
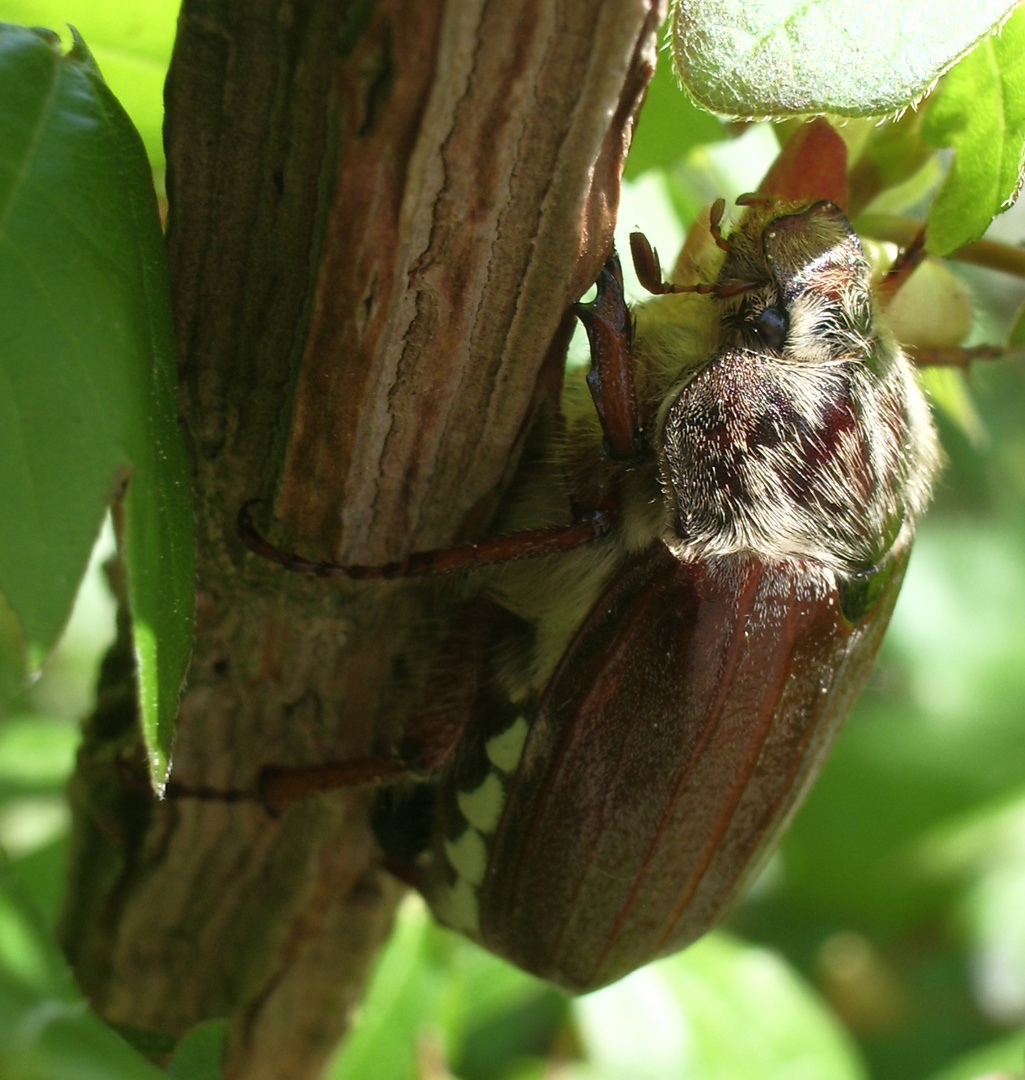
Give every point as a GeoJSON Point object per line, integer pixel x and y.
{"type": "Point", "coordinates": [948, 392]}
{"type": "Point", "coordinates": [669, 126]}
{"type": "Point", "coordinates": [400, 1002]}
{"type": "Point", "coordinates": [435, 990]}
{"type": "Point", "coordinates": [493, 1017]}
{"type": "Point", "coordinates": [718, 1011]}
{"type": "Point", "coordinates": [87, 396]}
{"type": "Point", "coordinates": [131, 43]}
{"type": "Point", "coordinates": [891, 156]}
{"type": "Point", "coordinates": [46, 1030]}
{"type": "Point", "coordinates": [773, 58]}
{"type": "Point", "coordinates": [985, 848]}
{"type": "Point", "coordinates": [939, 730]}
{"type": "Point", "coordinates": [36, 752]}
{"type": "Point", "coordinates": [28, 952]}
{"type": "Point", "coordinates": [1001, 1060]}
{"type": "Point", "coordinates": [979, 110]}
{"type": "Point", "coordinates": [198, 1055]}
{"type": "Point", "coordinates": [44, 1038]}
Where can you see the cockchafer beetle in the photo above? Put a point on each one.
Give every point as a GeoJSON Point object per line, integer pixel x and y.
{"type": "Point", "coordinates": [669, 674]}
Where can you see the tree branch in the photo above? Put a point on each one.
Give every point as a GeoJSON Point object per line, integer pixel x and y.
{"type": "Point", "coordinates": [379, 215]}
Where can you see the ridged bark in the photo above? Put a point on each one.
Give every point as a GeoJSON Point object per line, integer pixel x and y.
{"type": "Point", "coordinates": [379, 215]}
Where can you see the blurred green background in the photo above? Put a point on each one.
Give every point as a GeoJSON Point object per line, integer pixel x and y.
{"type": "Point", "coordinates": [886, 939]}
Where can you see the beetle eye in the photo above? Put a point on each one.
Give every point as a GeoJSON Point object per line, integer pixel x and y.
{"type": "Point", "coordinates": [770, 326]}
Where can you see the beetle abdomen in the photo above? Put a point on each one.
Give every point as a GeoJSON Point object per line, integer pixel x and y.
{"type": "Point", "coordinates": [678, 734]}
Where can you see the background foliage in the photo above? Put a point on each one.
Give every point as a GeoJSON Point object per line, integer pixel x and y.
{"type": "Point", "coordinates": [885, 940]}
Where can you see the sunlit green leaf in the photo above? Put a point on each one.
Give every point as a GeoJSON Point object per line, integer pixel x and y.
{"type": "Point", "coordinates": [198, 1055]}
{"type": "Point", "coordinates": [670, 124]}
{"type": "Point", "coordinates": [132, 46]}
{"type": "Point", "coordinates": [28, 952]}
{"type": "Point", "coordinates": [88, 404]}
{"type": "Point", "coordinates": [31, 822]}
{"type": "Point", "coordinates": [36, 751]}
{"type": "Point", "coordinates": [892, 154]}
{"type": "Point", "coordinates": [940, 730]}
{"type": "Point", "coordinates": [1000, 1060]}
{"type": "Point", "coordinates": [979, 110]}
{"type": "Point", "coordinates": [399, 1004]}
{"type": "Point", "coordinates": [718, 1011]}
{"type": "Point", "coordinates": [948, 391]}
{"type": "Point", "coordinates": [861, 58]}
{"type": "Point", "coordinates": [47, 1031]}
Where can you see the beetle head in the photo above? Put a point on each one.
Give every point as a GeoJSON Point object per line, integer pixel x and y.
{"type": "Point", "coordinates": [805, 435]}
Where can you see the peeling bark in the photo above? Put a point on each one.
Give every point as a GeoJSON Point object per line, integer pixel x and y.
{"type": "Point", "coordinates": [379, 215]}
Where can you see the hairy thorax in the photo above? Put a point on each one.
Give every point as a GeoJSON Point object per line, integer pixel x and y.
{"type": "Point", "coordinates": [804, 435]}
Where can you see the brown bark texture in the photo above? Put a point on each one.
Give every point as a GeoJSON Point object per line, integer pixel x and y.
{"type": "Point", "coordinates": [380, 213]}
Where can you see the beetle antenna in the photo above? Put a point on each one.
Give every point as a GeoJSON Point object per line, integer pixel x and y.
{"type": "Point", "coordinates": [714, 221]}
{"type": "Point", "coordinates": [756, 200]}
{"type": "Point", "coordinates": [649, 273]}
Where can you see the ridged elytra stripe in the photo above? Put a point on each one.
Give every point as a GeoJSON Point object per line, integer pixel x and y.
{"type": "Point", "coordinates": [761, 729]}
{"type": "Point", "coordinates": [599, 688]}
{"type": "Point", "coordinates": [552, 739]}
{"type": "Point", "coordinates": [744, 774]}
{"type": "Point", "coordinates": [848, 676]}
{"type": "Point", "coordinates": [725, 676]}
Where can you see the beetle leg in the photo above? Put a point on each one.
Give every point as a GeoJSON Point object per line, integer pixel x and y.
{"type": "Point", "coordinates": [432, 736]}
{"type": "Point", "coordinates": [407, 873]}
{"type": "Point", "coordinates": [433, 732]}
{"type": "Point", "coordinates": [529, 544]}
{"type": "Point", "coordinates": [646, 263]}
{"type": "Point", "coordinates": [280, 786]}
{"type": "Point", "coordinates": [611, 378]}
